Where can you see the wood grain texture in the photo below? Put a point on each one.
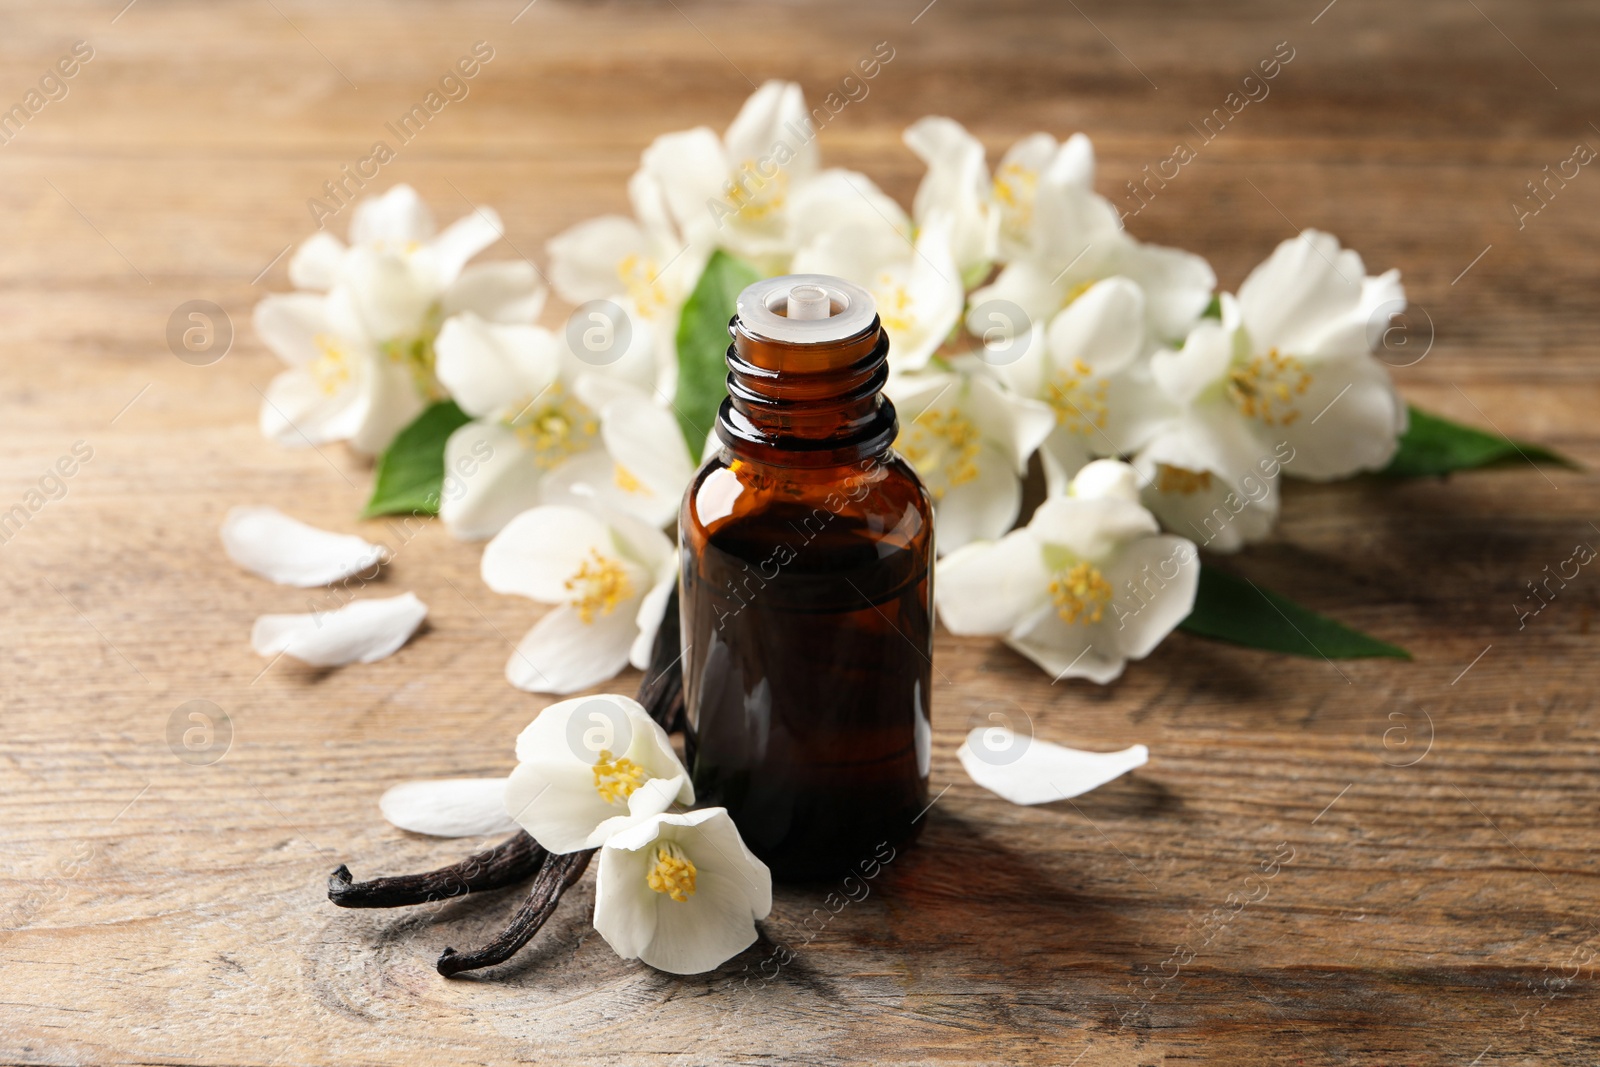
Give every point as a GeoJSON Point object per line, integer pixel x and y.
{"type": "Point", "coordinates": [1442, 912]}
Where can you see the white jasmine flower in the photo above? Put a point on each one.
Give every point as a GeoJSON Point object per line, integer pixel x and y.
{"type": "Point", "coordinates": [266, 542]}
{"type": "Point", "coordinates": [1061, 238]}
{"type": "Point", "coordinates": [1084, 366]}
{"type": "Point", "coordinates": [1285, 381]}
{"type": "Point", "coordinates": [916, 288]}
{"type": "Point", "coordinates": [361, 356]}
{"type": "Point", "coordinates": [449, 807]}
{"type": "Point", "coordinates": [362, 631]}
{"type": "Point", "coordinates": [339, 387]}
{"type": "Point", "coordinates": [1087, 585]}
{"type": "Point", "coordinates": [736, 191]}
{"type": "Point", "coordinates": [591, 767]}
{"type": "Point", "coordinates": [969, 440]}
{"type": "Point", "coordinates": [1030, 770]}
{"type": "Point", "coordinates": [956, 186]}
{"type": "Point", "coordinates": [681, 892]}
{"type": "Point", "coordinates": [644, 261]}
{"type": "Point", "coordinates": [1302, 367]}
{"type": "Point", "coordinates": [610, 579]}
{"type": "Point", "coordinates": [546, 421]}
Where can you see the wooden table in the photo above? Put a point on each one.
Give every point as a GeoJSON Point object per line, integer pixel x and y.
{"type": "Point", "coordinates": [1434, 821]}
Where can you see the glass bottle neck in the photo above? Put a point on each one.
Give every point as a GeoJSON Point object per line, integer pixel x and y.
{"type": "Point", "coordinates": [807, 405]}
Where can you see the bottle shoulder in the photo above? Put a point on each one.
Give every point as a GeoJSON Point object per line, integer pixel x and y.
{"type": "Point", "coordinates": [730, 501]}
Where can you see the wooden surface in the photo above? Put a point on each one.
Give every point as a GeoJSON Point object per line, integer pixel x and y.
{"type": "Point", "coordinates": [1440, 903]}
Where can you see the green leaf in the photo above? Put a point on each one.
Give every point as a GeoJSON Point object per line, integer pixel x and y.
{"type": "Point", "coordinates": [1432, 445]}
{"type": "Point", "coordinates": [1213, 310]}
{"type": "Point", "coordinates": [1239, 611]}
{"type": "Point", "coordinates": [703, 346]}
{"type": "Point", "coordinates": [411, 472]}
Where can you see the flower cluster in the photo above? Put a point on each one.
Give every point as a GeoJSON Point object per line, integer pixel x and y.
{"type": "Point", "coordinates": [1023, 319]}
{"type": "Point", "coordinates": [676, 888]}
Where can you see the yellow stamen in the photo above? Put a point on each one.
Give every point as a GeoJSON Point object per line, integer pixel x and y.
{"type": "Point", "coordinates": [417, 354]}
{"type": "Point", "coordinates": [616, 779]}
{"type": "Point", "coordinates": [598, 585]}
{"type": "Point", "coordinates": [1014, 188]}
{"type": "Point", "coordinates": [625, 479]}
{"type": "Point", "coordinates": [1079, 289]}
{"type": "Point", "coordinates": [943, 446]}
{"type": "Point", "coordinates": [1080, 593]}
{"type": "Point", "coordinates": [673, 874]}
{"type": "Point", "coordinates": [1079, 399]}
{"type": "Point", "coordinates": [1181, 480]}
{"type": "Point", "coordinates": [332, 370]}
{"type": "Point", "coordinates": [557, 427]}
{"type": "Point", "coordinates": [641, 276]}
{"type": "Point", "coordinates": [750, 195]}
{"type": "Point", "coordinates": [1264, 387]}
{"type": "Point", "coordinates": [894, 304]}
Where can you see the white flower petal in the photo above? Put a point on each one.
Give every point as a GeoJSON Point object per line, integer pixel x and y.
{"type": "Point", "coordinates": [505, 480]}
{"type": "Point", "coordinates": [652, 610]}
{"type": "Point", "coordinates": [1177, 286]}
{"type": "Point", "coordinates": [1201, 363]}
{"type": "Point", "coordinates": [1349, 419]}
{"type": "Point", "coordinates": [1155, 579]}
{"type": "Point", "coordinates": [297, 413]}
{"type": "Point", "coordinates": [315, 264]}
{"type": "Point", "coordinates": [392, 403]}
{"type": "Point", "coordinates": [1018, 425]}
{"type": "Point", "coordinates": [585, 260]}
{"type": "Point", "coordinates": [1093, 528]}
{"type": "Point", "coordinates": [1069, 650]}
{"type": "Point", "coordinates": [988, 587]}
{"type": "Point", "coordinates": [290, 323]}
{"type": "Point", "coordinates": [715, 923]}
{"type": "Point", "coordinates": [1030, 770]}
{"type": "Point", "coordinates": [1306, 284]}
{"type": "Point", "coordinates": [362, 631]}
{"type": "Point", "coordinates": [554, 792]}
{"type": "Point", "coordinates": [508, 292]}
{"type": "Point", "coordinates": [1106, 478]}
{"type": "Point", "coordinates": [395, 219]}
{"type": "Point", "coordinates": [774, 114]}
{"type": "Point", "coordinates": [490, 368]}
{"type": "Point", "coordinates": [982, 508]}
{"type": "Point", "coordinates": [265, 541]}
{"type": "Point", "coordinates": [563, 654]}
{"type": "Point", "coordinates": [537, 552]}
{"type": "Point", "coordinates": [1103, 329]}
{"type": "Point", "coordinates": [449, 807]}
{"type": "Point", "coordinates": [463, 239]}
{"type": "Point", "coordinates": [956, 185]}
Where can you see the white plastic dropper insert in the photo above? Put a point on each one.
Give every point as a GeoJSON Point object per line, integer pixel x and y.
{"type": "Point", "coordinates": [808, 302]}
{"type": "Point", "coordinates": [805, 309]}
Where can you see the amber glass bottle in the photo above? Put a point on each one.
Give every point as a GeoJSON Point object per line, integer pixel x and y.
{"type": "Point", "coordinates": [807, 628]}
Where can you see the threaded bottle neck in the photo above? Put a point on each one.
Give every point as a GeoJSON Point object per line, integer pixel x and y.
{"type": "Point", "coordinates": [805, 389]}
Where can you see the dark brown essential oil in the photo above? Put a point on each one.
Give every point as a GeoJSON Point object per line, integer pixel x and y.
{"type": "Point", "coordinates": [807, 628]}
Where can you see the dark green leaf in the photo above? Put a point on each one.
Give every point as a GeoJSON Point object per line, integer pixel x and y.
{"type": "Point", "coordinates": [411, 473]}
{"type": "Point", "coordinates": [703, 346]}
{"type": "Point", "coordinates": [1432, 445]}
{"type": "Point", "coordinates": [1239, 611]}
{"type": "Point", "coordinates": [1213, 310]}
